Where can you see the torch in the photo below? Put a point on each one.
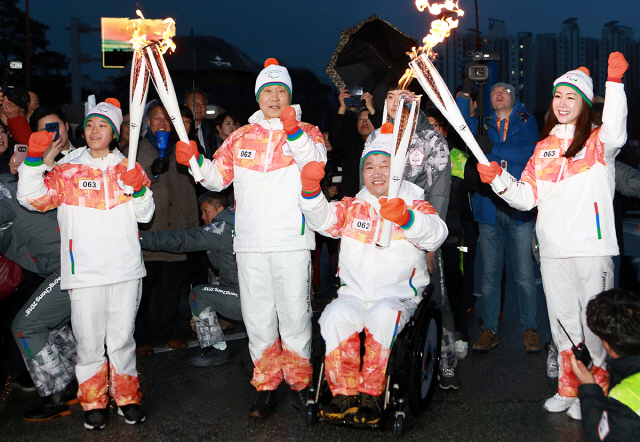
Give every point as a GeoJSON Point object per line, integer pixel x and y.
{"type": "Point", "coordinates": [139, 87]}
{"type": "Point", "coordinates": [164, 86]}
{"type": "Point", "coordinates": [405, 121]}
{"type": "Point", "coordinates": [431, 81]}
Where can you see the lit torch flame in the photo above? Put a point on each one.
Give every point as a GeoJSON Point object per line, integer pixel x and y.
{"type": "Point", "coordinates": [440, 29]}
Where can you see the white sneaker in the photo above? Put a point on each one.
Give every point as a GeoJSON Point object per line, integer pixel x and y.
{"type": "Point", "coordinates": [574, 411]}
{"type": "Point", "coordinates": [558, 403]}
{"type": "Point", "coordinates": [462, 348]}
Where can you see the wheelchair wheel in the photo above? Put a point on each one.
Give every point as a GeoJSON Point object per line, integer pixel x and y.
{"type": "Point", "coordinates": [398, 424]}
{"type": "Point", "coordinates": [311, 414]}
{"type": "Point", "coordinates": [425, 358]}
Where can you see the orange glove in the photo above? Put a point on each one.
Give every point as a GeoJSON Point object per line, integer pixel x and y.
{"type": "Point", "coordinates": [289, 122]}
{"type": "Point", "coordinates": [488, 173]}
{"type": "Point", "coordinates": [38, 143]}
{"type": "Point", "coordinates": [185, 151]}
{"type": "Point", "coordinates": [617, 66]}
{"type": "Point", "coordinates": [311, 175]}
{"type": "Point", "coordinates": [133, 178]}
{"type": "Point", "coordinates": [395, 210]}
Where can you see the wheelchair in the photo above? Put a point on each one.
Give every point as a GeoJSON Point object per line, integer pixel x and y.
{"type": "Point", "coordinates": [412, 370]}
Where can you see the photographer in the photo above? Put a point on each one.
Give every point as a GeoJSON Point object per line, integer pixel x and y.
{"type": "Point", "coordinates": [348, 143]}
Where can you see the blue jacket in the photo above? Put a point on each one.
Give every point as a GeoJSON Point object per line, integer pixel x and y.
{"type": "Point", "coordinates": [522, 136]}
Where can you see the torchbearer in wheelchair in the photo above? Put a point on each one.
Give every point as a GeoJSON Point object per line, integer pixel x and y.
{"type": "Point", "coordinates": [381, 287]}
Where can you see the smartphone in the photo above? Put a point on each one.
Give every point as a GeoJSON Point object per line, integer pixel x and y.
{"type": "Point", "coordinates": [54, 128]}
{"type": "Point", "coordinates": [21, 153]}
{"type": "Point", "coordinates": [356, 96]}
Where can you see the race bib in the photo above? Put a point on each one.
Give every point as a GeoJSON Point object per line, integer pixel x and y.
{"type": "Point", "coordinates": [89, 184]}
{"type": "Point", "coordinates": [549, 153]}
{"type": "Point", "coordinates": [416, 158]}
{"type": "Point", "coordinates": [246, 154]}
{"type": "Point", "coordinates": [286, 151]}
{"type": "Point", "coordinates": [361, 224]}
{"type": "Point", "coordinates": [603, 426]}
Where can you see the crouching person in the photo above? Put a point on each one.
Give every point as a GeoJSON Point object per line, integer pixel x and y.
{"type": "Point", "coordinates": [614, 317]}
{"type": "Point", "coordinates": [381, 288]}
{"type": "Point", "coordinates": [216, 237]}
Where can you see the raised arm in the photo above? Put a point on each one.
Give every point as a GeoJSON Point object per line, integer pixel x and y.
{"type": "Point", "coordinates": [305, 141]}
{"type": "Point", "coordinates": [613, 132]}
{"type": "Point", "coordinates": [218, 173]}
{"type": "Point", "coordinates": [35, 192]}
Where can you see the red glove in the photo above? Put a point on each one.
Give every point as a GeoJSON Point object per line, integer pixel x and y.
{"type": "Point", "coordinates": [395, 210]}
{"type": "Point", "coordinates": [488, 173]}
{"type": "Point", "coordinates": [38, 143]}
{"type": "Point", "coordinates": [133, 178]}
{"type": "Point", "coordinates": [185, 151]}
{"type": "Point", "coordinates": [617, 66]}
{"type": "Point", "coordinates": [311, 174]}
{"type": "Point", "coordinates": [289, 122]}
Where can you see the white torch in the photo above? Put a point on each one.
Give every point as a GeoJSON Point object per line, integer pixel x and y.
{"type": "Point", "coordinates": [167, 93]}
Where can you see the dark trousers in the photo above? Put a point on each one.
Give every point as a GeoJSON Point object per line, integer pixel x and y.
{"type": "Point", "coordinates": [158, 316]}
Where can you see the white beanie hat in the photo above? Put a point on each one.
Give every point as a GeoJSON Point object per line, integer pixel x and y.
{"type": "Point", "coordinates": [381, 145]}
{"type": "Point", "coordinates": [579, 80]}
{"type": "Point", "coordinates": [110, 111]}
{"type": "Point", "coordinates": [273, 74]}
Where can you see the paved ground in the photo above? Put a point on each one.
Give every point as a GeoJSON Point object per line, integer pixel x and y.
{"type": "Point", "coordinates": [500, 400]}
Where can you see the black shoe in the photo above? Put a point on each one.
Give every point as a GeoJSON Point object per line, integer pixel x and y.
{"type": "Point", "coordinates": [299, 399]}
{"type": "Point", "coordinates": [264, 404]}
{"type": "Point", "coordinates": [95, 419]}
{"type": "Point", "coordinates": [369, 411]}
{"type": "Point", "coordinates": [210, 357]}
{"type": "Point", "coordinates": [340, 407]}
{"type": "Point", "coordinates": [51, 407]}
{"type": "Point", "coordinates": [448, 380]}
{"type": "Point", "coordinates": [132, 414]}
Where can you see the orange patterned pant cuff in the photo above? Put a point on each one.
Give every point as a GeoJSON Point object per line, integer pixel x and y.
{"type": "Point", "coordinates": [124, 389]}
{"type": "Point", "coordinates": [296, 369]}
{"type": "Point", "coordinates": [266, 371]}
{"type": "Point", "coordinates": [374, 366]}
{"type": "Point", "coordinates": [342, 367]}
{"type": "Point", "coordinates": [568, 382]}
{"type": "Point", "coordinates": [93, 392]}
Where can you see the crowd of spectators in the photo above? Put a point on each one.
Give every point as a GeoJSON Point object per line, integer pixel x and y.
{"type": "Point", "coordinates": [185, 285]}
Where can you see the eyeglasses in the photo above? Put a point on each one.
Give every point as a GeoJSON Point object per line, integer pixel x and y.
{"type": "Point", "coordinates": [437, 126]}
{"type": "Point", "coordinates": [500, 93]}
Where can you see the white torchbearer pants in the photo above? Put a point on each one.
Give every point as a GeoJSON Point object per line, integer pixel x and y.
{"type": "Point", "coordinates": [105, 315]}
{"type": "Point", "coordinates": [276, 309]}
{"type": "Point", "coordinates": [569, 284]}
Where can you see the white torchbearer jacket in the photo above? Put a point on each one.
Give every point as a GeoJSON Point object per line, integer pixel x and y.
{"type": "Point", "coordinates": [574, 196]}
{"type": "Point", "coordinates": [365, 270]}
{"type": "Point", "coordinates": [99, 237]}
{"type": "Point", "coordinates": [264, 165]}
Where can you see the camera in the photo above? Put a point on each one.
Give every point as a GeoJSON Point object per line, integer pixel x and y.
{"type": "Point", "coordinates": [16, 95]}
{"type": "Point", "coordinates": [478, 71]}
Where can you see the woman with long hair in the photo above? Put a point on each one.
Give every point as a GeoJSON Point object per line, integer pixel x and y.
{"type": "Point", "coordinates": [570, 178]}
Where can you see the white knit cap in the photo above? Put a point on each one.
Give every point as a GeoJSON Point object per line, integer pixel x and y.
{"type": "Point", "coordinates": [579, 80]}
{"type": "Point", "coordinates": [273, 74]}
{"type": "Point", "coordinates": [381, 145]}
{"type": "Point", "coordinates": [110, 111]}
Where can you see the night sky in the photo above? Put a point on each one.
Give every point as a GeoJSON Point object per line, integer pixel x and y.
{"type": "Point", "coordinates": [304, 33]}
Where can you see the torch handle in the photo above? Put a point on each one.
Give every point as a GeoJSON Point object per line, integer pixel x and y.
{"type": "Point", "coordinates": [439, 94]}
{"type": "Point", "coordinates": [166, 91]}
{"type": "Point", "coordinates": [139, 87]}
{"type": "Point", "coordinates": [398, 164]}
